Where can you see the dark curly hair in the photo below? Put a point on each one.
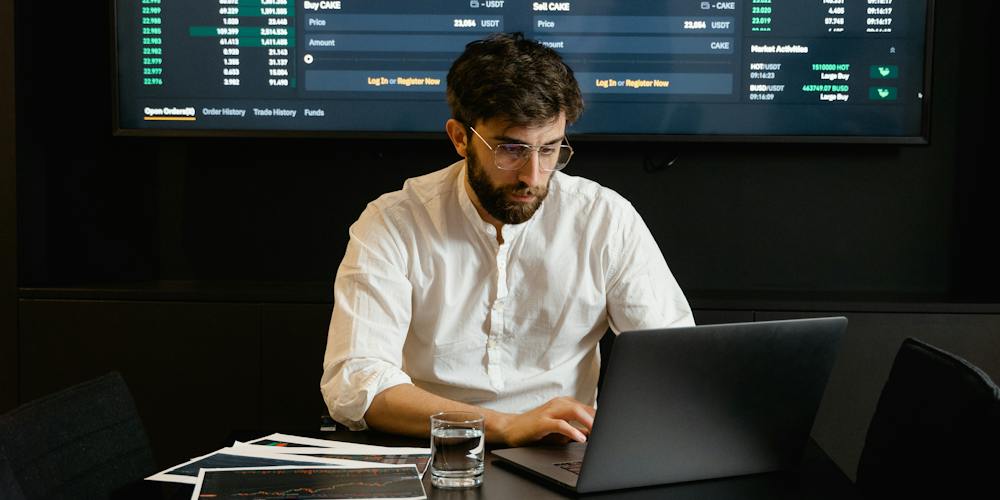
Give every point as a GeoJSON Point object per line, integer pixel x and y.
{"type": "Point", "coordinates": [510, 77]}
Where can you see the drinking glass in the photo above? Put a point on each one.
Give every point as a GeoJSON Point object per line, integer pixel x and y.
{"type": "Point", "coordinates": [457, 449]}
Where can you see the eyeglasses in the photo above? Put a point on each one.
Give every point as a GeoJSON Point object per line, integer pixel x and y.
{"type": "Point", "coordinates": [551, 157]}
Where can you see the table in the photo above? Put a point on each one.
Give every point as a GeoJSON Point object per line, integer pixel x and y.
{"type": "Point", "coordinates": [818, 477]}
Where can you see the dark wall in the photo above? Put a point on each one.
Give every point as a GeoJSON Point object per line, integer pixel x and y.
{"type": "Point", "coordinates": [8, 215]}
{"type": "Point", "coordinates": [826, 218]}
{"type": "Point", "coordinates": [977, 244]}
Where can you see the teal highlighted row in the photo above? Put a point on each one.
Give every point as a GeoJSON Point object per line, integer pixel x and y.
{"type": "Point", "coordinates": [244, 31]}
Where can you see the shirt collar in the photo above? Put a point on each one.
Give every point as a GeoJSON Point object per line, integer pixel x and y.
{"type": "Point", "coordinates": [466, 203]}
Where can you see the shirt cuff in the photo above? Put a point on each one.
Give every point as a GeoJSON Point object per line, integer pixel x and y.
{"type": "Point", "coordinates": [349, 392]}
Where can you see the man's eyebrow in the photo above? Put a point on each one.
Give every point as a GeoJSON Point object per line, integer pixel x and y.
{"type": "Point", "coordinates": [503, 139]}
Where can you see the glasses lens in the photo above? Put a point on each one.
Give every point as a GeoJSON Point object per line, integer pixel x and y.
{"type": "Point", "coordinates": [565, 153]}
{"type": "Point", "coordinates": [514, 156]}
{"type": "Point", "coordinates": [511, 156]}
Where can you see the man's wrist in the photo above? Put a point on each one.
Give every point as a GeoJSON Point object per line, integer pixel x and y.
{"type": "Point", "coordinates": [496, 424]}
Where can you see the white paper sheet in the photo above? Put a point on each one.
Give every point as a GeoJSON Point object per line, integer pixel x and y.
{"type": "Point", "coordinates": [382, 455]}
{"type": "Point", "coordinates": [358, 449]}
{"type": "Point", "coordinates": [245, 455]}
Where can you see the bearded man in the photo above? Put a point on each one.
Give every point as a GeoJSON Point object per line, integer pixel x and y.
{"type": "Point", "coordinates": [487, 285]}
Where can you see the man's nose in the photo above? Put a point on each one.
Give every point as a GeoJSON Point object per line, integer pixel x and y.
{"type": "Point", "coordinates": [531, 172]}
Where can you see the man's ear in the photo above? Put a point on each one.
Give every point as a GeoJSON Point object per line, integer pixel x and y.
{"type": "Point", "coordinates": [456, 132]}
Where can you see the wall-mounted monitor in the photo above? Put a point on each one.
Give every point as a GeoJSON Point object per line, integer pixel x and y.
{"type": "Point", "coordinates": [727, 70]}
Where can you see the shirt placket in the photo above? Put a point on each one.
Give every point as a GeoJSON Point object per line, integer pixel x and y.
{"type": "Point", "coordinates": [494, 353]}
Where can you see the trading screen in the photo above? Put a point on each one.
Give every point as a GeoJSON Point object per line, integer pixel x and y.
{"type": "Point", "coordinates": [666, 67]}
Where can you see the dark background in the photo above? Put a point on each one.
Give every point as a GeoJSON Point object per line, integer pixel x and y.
{"type": "Point", "coordinates": [201, 267]}
{"type": "Point", "coordinates": [829, 218]}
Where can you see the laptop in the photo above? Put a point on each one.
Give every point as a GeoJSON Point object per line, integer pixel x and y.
{"type": "Point", "coordinates": [693, 403]}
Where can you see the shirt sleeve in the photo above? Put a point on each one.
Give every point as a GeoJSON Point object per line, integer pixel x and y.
{"type": "Point", "coordinates": [642, 292]}
{"type": "Point", "coordinates": [371, 317]}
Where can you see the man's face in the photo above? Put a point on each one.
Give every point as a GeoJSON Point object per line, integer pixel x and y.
{"type": "Point", "coordinates": [510, 196]}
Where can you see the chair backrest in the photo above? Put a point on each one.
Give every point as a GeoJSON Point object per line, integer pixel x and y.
{"type": "Point", "coordinates": [9, 489]}
{"type": "Point", "coordinates": [82, 442]}
{"type": "Point", "coordinates": [935, 431]}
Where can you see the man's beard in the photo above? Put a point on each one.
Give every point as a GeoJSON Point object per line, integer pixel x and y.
{"type": "Point", "coordinates": [494, 198]}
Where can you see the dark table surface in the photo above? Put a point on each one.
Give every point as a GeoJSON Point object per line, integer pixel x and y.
{"type": "Point", "coordinates": [818, 477]}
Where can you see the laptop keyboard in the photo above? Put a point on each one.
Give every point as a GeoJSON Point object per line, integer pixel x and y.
{"type": "Point", "coordinates": [573, 467]}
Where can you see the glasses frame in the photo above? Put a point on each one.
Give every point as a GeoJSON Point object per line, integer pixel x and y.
{"type": "Point", "coordinates": [531, 149]}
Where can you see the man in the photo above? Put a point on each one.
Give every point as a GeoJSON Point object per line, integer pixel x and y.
{"type": "Point", "coordinates": [486, 286]}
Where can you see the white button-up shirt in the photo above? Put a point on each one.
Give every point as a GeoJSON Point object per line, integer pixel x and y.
{"type": "Point", "coordinates": [425, 295]}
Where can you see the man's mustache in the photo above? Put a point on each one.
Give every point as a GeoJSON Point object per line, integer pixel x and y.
{"type": "Point", "coordinates": [523, 189]}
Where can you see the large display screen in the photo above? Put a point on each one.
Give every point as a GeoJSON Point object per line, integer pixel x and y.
{"type": "Point", "coordinates": [816, 70]}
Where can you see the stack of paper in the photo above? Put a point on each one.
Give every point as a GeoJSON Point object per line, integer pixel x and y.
{"type": "Point", "coordinates": [285, 466]}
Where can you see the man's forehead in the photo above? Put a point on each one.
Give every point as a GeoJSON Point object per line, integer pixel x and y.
{"type": "Point", "coordinates": [548, 129]}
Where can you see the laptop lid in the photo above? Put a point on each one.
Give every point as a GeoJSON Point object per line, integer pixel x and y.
{"type": "Point", "coordinates": [685, 404]}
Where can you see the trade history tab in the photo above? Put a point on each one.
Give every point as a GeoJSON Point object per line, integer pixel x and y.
{"type": "Point", "coordinates": [645, 66]}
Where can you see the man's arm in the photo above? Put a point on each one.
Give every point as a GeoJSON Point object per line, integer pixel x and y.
{"type": "Point", "coordinates": [406, 409]}
{"type": "Point", "coordinates": [642, 292]}
{"type": "Point", "coordinates": [371, 315]}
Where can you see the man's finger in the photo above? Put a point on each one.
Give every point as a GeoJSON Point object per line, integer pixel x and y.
{"type": "Point", "coordinates": [583, 416]}
{"type": "Point", "coordinates": [563, 427]}
{"type": "Point", "coordinates": [576, 411]}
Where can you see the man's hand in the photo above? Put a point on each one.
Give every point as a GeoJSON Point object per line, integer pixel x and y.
{"type": "Point", "coordinates": [551, 422]}
{"type": "Point", "coordinates": [405, 409]}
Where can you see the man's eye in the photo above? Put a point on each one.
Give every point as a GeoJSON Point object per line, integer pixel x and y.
{"type": "Point", "coordinates": [547, 150]}
{"type": "Point", "coordinates": [513, 149]}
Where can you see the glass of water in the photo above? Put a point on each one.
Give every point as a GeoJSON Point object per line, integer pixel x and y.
{"type": "Point", "coordinates": [457, 449]}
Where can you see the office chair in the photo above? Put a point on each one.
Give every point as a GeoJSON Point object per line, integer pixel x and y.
{"type": "Point", "coordinates": [80, 443]}
{"type": "Point", "coordinates": [936, 429]}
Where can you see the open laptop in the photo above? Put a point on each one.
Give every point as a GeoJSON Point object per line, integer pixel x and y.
{"type": "Point", "coordinates": [684, 404]}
